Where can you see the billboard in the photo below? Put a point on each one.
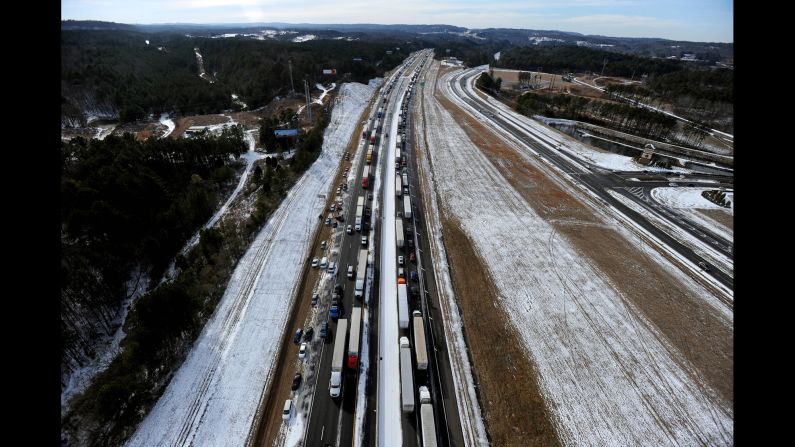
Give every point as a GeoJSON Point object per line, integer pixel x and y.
{"type": "Point", "coordinates": [331, 71]}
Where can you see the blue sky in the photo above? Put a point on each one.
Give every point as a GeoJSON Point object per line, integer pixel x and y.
{"type": "Point", "coordinates": [694, 20]}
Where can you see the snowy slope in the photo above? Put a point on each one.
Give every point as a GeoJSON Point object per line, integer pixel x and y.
{"type": "Point", "coordinates": [213, 397]}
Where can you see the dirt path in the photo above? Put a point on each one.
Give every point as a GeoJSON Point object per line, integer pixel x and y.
{"type": "Point", "coordinates": [702, 337]}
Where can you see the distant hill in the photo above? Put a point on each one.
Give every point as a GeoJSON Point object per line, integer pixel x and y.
{"type": "Point", "coordinates": [93, 25]}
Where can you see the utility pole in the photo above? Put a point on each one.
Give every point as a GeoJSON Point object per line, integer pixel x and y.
{"type": "Point", "coordinates": [306, 94]}
{"type": "Point", "coordinates": [603, 68]}
{"type": "Point", "coordinates": [290, 66]}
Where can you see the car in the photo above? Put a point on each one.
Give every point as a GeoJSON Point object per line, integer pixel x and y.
{"type": "Point", "coordinates": [358, 227]}
{"type": "Point", "coordinates": [339, 289]}
{"type": "Point", "coordinates": [324, 330]}
{"type": "Point", "coordinates": [400, 260]}
{"type": "Point", "coordinates": [315, 262]}
{"type": "Point", "coordinates": [411, 243]}
{"type": "Point", "coordinates": [296, 382]}
{"type": "Point", "coordinates": [369, 196]}
{"type": "Point", "coordinates": [350, 272]}
{"type": "Point", "coordinates": [412, 257]}
{"type": "Point", "coordinates": [345, 187]}
{"type": "Point", "coordinates": [315, 299]}
{"type": "Point", "coordinates": [288, 408]}
{"type": "Point", "coordinates": [409, 230]}
{"type": "Point", "coordinates": [349, 229]}
{"type": "Point", "coordinates": [297, 336]}
{"type": "Point", "coordinates": [413, 275]}
{"type": "Point", "coordinates": [364, 240]}
{"type": "Point", "coordinates": [339, 190]}
{"type": "Point", "coordinates": [703, 266]}
{"type": "Point", "coordinates": [323, 245]}
{"type": "Point", "coordinates": [401, 273]}
{"type": "Point", "coordinates": [302, 351]}
{"type": "Point", "coordinates": [334, 225]}
{"type": "Point", "coordinates": [309, 333]}
{"type": "Point", "coordinates": [333, 207]}
{"type": "Point", "coordinates": [414, 291]}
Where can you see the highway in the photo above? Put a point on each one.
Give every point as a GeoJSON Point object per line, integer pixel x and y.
{"type": "Point", "coordinates": [595, 179]}
{"type": "Point", "coordinates": [331, 421]}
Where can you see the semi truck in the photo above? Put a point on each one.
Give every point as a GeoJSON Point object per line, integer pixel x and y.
{"type": "Point", "coordinates": [407, 207]}
{"type": "Point", "coordinates": [420, 352]}
{"type": "Point", "coordinates": [406, 380]}
{"type": "Point", "coordinates": [403, 304]}
{"type": "Point", "coordinates": [361, 273]}
{"type": "Point", "coordinates": [366, 176]}
{"type": "Point", "coordinates": [398, 186]}
{"type": "Point", "coordinates": [359, 213]}
{"type": "Point", "coordinates": [335, 382]}
{"type": "Point", "coordinates": [426, 418]}
{"type": "Point", "coordinates": [353, 340]}
{"type": "Point", "coordinates": [399, 233]}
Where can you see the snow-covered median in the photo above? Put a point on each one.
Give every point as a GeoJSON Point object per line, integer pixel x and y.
{"type": "Point", "coordinates": [213, 397]}
{"type": "Point", "coordinates": [609, 376]}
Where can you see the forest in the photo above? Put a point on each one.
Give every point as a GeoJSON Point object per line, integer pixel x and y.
{"type": "Point", "coordinates": [570, 58]}
{"type": "Point", "coordinates": [116, 70]}
{"type": "Point", "coordinates": [131, 205]}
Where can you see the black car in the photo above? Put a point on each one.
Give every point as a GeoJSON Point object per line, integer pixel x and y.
{"type": "Point", "coordinates": [297, 336]}
{"type": "Point", "coordinates": [411, 243]}
{"type": "Point", "coordinates": [339, 288]}
{"type": "Point", "coordinates": [414, 291]}
{"type": "Point", "coordinates": [311, 331]}
{"type": "Point", "coordinates": [369, 196]}
{"type": "Point", "coordinates": [324, 330]}
{"type": "Point", "coordinates": [296, 382]}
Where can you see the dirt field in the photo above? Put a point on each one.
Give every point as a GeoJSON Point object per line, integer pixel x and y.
{"type": "Point", "coordinates": [702, 338]}
{"type": "Point", "coordinates": [726, 218]}
{"type": "Point", "coordinates": [182, 124]}
{"type": "Point", "coordinates": [514, 410]}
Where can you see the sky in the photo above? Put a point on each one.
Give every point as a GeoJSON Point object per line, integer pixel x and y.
{"type": "Point", "coordinates": [692, 20]}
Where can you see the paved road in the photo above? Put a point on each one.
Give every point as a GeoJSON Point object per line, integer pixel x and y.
{"type": "Point", "coordinates": [597, 180]}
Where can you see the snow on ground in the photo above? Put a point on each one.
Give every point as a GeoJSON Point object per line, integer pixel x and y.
{"type": "Point", "coordinates": [166, 121]}
{"type": "Point", "coordinates": [687, 198]}
{"type": "Point", "coordinates": [236, 100]}
{"type": "Point", "coordinates": [107, 349]}
{"type": "Point", "coordinates": [610, 378]}
{"type": "Point", "coordinates": [325, 91]}
{"type": "Point", "coordinates": [212, 398]}
{"type": "Point", "coordinates": [696, 245]}
{"type": "Point", "coordinates": [466, 398]}
{"type": "Point", "coordinates": [304, 38]}
{"type": "Point", "coordinates": [200, 62]}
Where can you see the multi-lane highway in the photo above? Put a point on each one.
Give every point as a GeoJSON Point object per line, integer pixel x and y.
{"type": "Point", "coordinates": [595, 179]}
{"type": "Point", "coordinates": [331, 421]}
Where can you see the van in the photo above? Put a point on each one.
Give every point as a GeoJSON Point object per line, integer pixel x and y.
{"type": "Point", "coordinates": [288, 408]}
{"type": "Point", "coordinates": [332, 267]}
{"type": "Point", "coordinates": [324, 262]}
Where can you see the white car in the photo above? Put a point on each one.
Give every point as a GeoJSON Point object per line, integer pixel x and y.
{"type": "Point", "coordinates": [349, 229]}
{"type": "Point", "coordinates": [315, 262]}
{"type": "Point", "coordinates": [400, 260]}
{"type": "Point", "coordinates": [364, 240]}
{"type": "Point", "coordinates": [302, 351]}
